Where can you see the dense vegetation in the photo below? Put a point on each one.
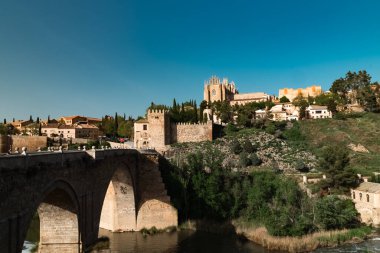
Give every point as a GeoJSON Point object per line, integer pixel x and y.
{"type": "Point", "coordinates": [202, 188]}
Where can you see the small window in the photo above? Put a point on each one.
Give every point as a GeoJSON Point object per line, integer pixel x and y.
{"type": "Point", "coordinates": [360, 196]}
{"type": "Point", "coordinates": [367, 197]}
{"type": "Point", "coordinates": [145, 127]}
{"type": "Point", "coordinates": [353, 195]}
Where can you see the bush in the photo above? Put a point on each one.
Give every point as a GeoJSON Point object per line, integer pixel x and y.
{"type": "Point", "coordinates": [255, 160]}
{"type": "Point", "coordinates": [335, 213]}
{"type": "Point", "coordinates": [249, 147]}
{"type": "Point", "coordinates": [236, 147]}
{"type": "Point", "coordinates": [230, 129]}
{"type": "Point", "coordinates": [301, 166]}
{"type": "Point", "coordinates": [270, 129]}
{"type": "Point", "coordinates": [244, 161]}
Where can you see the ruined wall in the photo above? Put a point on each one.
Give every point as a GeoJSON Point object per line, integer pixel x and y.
{"type": "Point", "coordinates": [187, 132]}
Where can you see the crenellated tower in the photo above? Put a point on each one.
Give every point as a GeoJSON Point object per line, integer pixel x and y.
{"type": "Point", "coordinates": [159, 128]}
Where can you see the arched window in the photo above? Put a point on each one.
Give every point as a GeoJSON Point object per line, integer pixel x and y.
{"type": "Point", "coordinates": [367, 197]}
{"type": "Point", "coordinates": [360, 196]}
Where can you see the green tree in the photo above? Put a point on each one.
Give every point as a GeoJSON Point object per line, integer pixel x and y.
{"type": "Point", "coordinates": [331, 212]}
{"type": "Point", "coordinates": [334, 161]}
{"type": "Point", "coordinates": [125, 129]}
{"type": "Point", "coordinates": [284, 99]}
{"type": "Point", "coordinates": [302, 103]}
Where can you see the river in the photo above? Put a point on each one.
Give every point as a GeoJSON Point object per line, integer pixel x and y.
{"type": "Point", "coordinates": [199, 242]}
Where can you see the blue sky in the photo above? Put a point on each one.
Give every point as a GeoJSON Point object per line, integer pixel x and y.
{"type": "Point", "coordinates": [97, 57]}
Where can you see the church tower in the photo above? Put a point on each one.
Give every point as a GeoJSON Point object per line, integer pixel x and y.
{"type": "Point", "coordinates": [216, 90]}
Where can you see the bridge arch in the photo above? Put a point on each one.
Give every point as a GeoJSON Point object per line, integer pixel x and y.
{"type": "Point", "coordinates": [119, 206]}
{"type": "Point", "coordinates": [58, 211]}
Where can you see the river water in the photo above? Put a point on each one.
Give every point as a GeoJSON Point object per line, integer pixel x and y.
{"type": "Point", "coordinates": [199, 242]}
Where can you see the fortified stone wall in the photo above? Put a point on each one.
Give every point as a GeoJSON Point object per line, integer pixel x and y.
{"type": "Point", "coordinates": [187, 132]}
{"type": "Point", "coordinates": [159, 128]}
{"type": "Point", "coordinates": [32, 143]}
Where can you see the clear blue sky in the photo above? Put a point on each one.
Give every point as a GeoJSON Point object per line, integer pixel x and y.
{"type": "Point", "coordinates": [97, 57]}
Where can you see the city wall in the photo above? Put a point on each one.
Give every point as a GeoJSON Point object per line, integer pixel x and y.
{"type": "Point", "coordinates": [187, 132]}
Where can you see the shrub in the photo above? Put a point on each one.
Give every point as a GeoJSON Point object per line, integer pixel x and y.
{"type": "Point", "coordinates": [236, 147]}
{"type": "Point", "coordinates": [244, 161]}
{"type": "Point", "coordinates": [255, 160]}
{"type": "Point", "coordinates": [301, 166]}
{"type": "Point", "coordinates": [230, 129]}
{"type": "Point", "coordinates": [270, 129]}
{"type": "Point", "coordinates": [249, 147]}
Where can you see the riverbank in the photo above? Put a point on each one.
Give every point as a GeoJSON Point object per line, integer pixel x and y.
{"type": "Point", "coordinates": [260, 235]}
{"type": "Point", "coordinates": [305, 243]}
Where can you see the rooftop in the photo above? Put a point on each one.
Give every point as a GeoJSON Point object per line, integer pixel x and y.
{"type": "Point", "coordinates": [369, 187]}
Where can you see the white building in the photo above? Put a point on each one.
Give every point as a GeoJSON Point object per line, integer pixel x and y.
{"type": "Point", "coordinates": [318, 112]}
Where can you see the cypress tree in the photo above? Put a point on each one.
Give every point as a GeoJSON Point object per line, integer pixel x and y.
{"type": "Point", "coordinates": [48, 121]}
{"type": "Point", "coordinates": [31, 118]}
{"type": "Point", "coordinates": [116, 124]}
{"type": "Point", "coordinates": [38, 120]}
{"type": "Point", "coordinates": [5, 121]}
{"type": "Point", "coordinates": [195, 111]}
{"type": "Point", "coordinates": [39, 130]}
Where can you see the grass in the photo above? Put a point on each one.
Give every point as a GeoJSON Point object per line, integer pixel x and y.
{"type": "Point", "coordinates": [305, 243]}
{"type": "Point", "coordinates": [361, 130]}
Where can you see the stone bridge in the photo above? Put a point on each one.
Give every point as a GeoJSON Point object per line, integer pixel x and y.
{"type": "Point", "coordinates": [75, 193]}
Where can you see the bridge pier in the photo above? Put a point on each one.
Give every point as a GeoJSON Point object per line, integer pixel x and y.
{"type": "Point", "coordinates": [59, 230]}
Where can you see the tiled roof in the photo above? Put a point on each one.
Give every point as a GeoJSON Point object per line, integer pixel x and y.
{"type": "Point", "coordinates": [318, 107]}
{"type": "Point", "coordinates": [369, 187]}
{"type": "Point", "coordinates": [142, 121]}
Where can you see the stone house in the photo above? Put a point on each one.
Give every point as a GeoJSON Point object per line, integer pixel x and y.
{"type": "Point", "coordinates": [71, 120]}
{"type": "Point", "coordinates": [157, 131]}
{"type": "Point", "coordinates": [367, 201]}
{"type": "Point", "coordinates": [21, 124]}
{"type": "Point", "coordinates": [278, 113]}
{"type": "Point", "coordinates": [85, 131]}
{"type": "Point", "coordinates": [318, 112]}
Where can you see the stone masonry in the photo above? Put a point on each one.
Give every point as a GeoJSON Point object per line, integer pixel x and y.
{"type": "Point", "coordinates": [76, 192]}
{"type": "Point", "coordinates": [157, 131]}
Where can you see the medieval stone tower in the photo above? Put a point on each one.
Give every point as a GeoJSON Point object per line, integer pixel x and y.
{"type": "Point", "coordinates": [216, 90]}
{"type": "Point", "coordinates": [159, 128]}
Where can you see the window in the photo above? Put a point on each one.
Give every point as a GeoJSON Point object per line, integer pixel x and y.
{"type": "Point", "coordinates": [318, 112]}
{"type": "Point", "coordinates": [367, 197]}
{"type": "Point", "coordinates": [145, 127]}
{"type": "Point", "coordinates": [353, 195]}
{"type": "Point", "coordinates": [360, 196]}
{"type": "Point", "coordinates": [213, 92]}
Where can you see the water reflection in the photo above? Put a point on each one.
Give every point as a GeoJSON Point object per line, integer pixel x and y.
{"type": "Point", "coordinates": [180, 242]}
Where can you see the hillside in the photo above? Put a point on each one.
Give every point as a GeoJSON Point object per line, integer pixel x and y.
{"type": "Point", "coordinates": [271, 152]}
{"type": "Point", "coordinates": [286, 149]}
{"type": "Point", "coordinates": [361, 134]}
